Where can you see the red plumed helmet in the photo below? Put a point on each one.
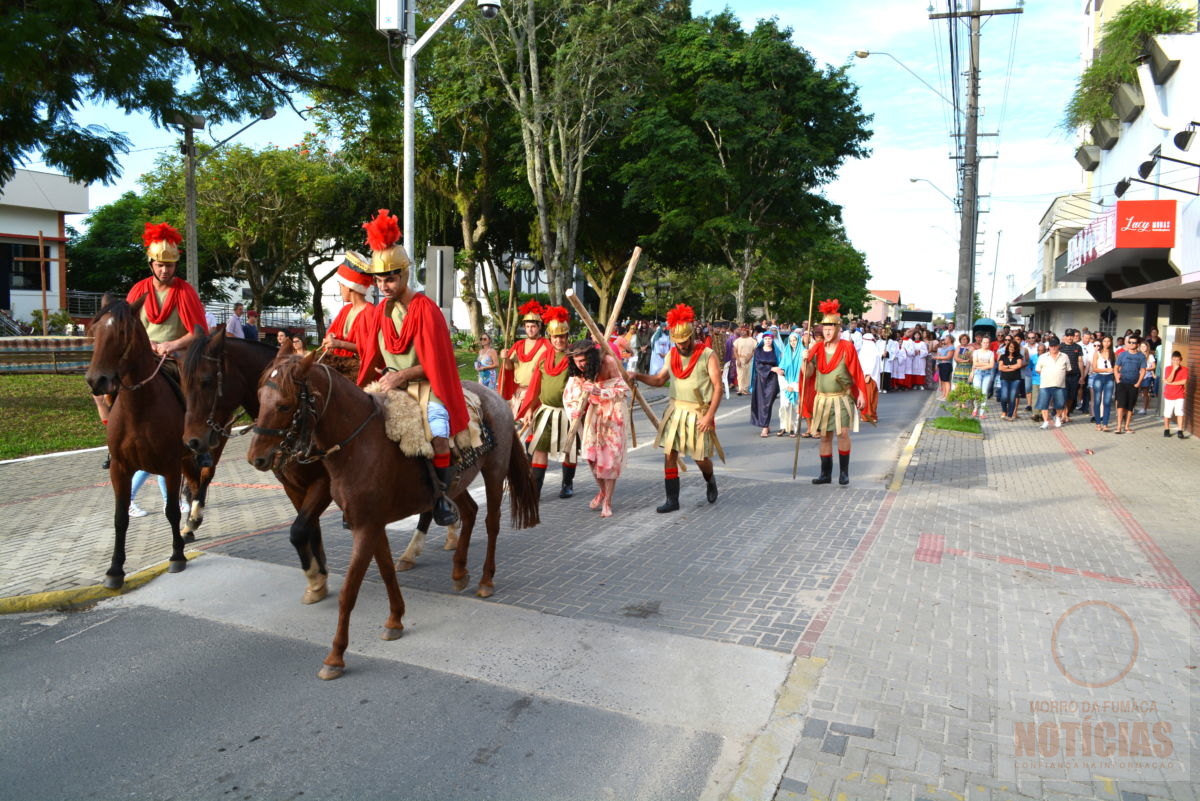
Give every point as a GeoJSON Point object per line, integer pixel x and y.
{"type": "Point", "coordinates": [830, 312]}
{"type": "Point", "coordinates": [161, 232]}
{"type": "Point", "coordinates": [682, 313]}
{"type": "Point", "coordinates": [555, 318]}
{"type": "Point", "coordinates": [531, 311]}
{"type": "Point", "coordinates": [382, 232]}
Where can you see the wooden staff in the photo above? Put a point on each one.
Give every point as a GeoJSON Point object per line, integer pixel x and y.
{"type": "Point", "coordinates": [573, 299]}
{"type": "Point", "coordinates": [616, 310]}
{"type": "Point", "coordinates": [509, 323]}
{"type": "Point", "coordinates": [800, 409]}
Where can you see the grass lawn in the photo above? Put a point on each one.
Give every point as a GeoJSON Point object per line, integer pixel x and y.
{"type": "Point", "coordinates": [969, 424]}
{"type": "Point", "coordinates": [46, 413]}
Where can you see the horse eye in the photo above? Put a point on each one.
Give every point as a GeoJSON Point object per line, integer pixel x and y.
{"type": "Point", "coordinates": [283, 407]}
{"type": "Point", "coordinates": [206, 382]}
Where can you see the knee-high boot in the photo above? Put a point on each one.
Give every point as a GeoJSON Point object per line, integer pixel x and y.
{"type": "Point", "coordinates": [672, 485]}
{"type": "Point", "coordinates": [568, 481]}
{"type": "Point", "coordinates": [539, 476]}
{"type": "Point", "coordinates": [844, 467]}
{"type": "Point", "coordinates": [826, 470]}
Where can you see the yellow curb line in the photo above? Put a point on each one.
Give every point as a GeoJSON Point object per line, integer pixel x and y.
{"type": "Point", "coordinates": [905, 457]}
{"type": "Point", "coordinates": [767, 757]}
{"type": "Point", "coordinates": [77, 596]}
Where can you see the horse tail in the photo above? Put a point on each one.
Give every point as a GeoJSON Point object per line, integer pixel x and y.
{"type": "Point", "coordinates": [522, 494]}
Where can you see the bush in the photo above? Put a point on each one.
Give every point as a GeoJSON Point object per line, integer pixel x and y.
{"type": "Point", "coordinates": [961, 401]}
{"type": "Point", "coordinates": [1124, 37]}
{"type": "Point", "coordinates": [57, 322]}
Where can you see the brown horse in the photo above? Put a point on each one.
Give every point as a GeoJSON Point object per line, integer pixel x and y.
{"type": "Point", "coordinates": [144, 427]}
{"type": "Point", "coordinates": [221, 374]}
{"type": "Point", "coordinates": [310, 413]}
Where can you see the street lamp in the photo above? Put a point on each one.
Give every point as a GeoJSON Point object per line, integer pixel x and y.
{"type": "Point", "coordinates": [866, 53]}
{"type": "Point", "coordinates": [938, 188]}
{"type": "Point", "coordinates": [405, 21]}
{"type": "Point", "coordinates": [191, 123]}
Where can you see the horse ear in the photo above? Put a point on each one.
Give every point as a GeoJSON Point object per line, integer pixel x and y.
{"type": "Point", "coordinates": [136, 306]}
{"type": "Point", "coordinates": [306, 363]}
{"type": "Point", "coordinates": [106, 300]}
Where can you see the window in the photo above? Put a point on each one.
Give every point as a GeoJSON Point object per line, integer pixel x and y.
{"type": "Point", "coordinates": [24, 274]}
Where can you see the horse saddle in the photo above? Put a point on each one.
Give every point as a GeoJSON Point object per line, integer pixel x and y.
{"type": "Point", "coordinates": [405, 422]}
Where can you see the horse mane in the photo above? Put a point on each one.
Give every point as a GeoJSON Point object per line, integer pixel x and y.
{"type": "Point", "coordinates": [117, 308]}
{"type": "Point", "coordinates": [195, 351]}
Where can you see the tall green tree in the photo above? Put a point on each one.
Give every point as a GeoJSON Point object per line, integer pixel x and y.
{"type": "Point", "coordinates": [828, 266]}
{"type": "Point", "coordinates": [270, 217]}
{"type": "Point", "coordinates": [568, 69]}
{"type": "Point", "coordinates": [225, 59]}
{"type": "Point", "coordinates": [737, 140]}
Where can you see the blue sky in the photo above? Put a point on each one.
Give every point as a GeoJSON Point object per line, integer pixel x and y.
{"type": "Point", "coordinates": [908, 231]}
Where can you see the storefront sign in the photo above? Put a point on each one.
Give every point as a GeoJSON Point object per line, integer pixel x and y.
{"type": "Point", "coordinates": [1132, 224]}
{"type": "Point", "coordinates": [1097, 238]}
{"type": "Point", "coordinates": [1145, 223]}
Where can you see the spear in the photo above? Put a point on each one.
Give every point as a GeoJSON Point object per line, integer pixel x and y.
{"type": "Point", "coordinates": [800, 409]}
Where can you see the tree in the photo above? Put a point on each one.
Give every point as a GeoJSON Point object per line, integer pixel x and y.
{"type": "Point", "coordinates": [270, 217]}
{"type": "Point", "coordinates": [829, 265]}
{"type": "Point", "coordinates": [240, 58]}
{"type": "Point", "coordinates": [569, 67]}
{"type": "Point", "coordinates": [742, 130]}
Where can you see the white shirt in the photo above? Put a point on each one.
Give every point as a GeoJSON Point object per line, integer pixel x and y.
{"type": "Point", "coordinates": [233, 327]}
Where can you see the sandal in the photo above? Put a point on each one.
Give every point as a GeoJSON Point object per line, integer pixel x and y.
{"type": "Point", "coordinates": [763, 436]}
{"type": "Point", "coordinates": [781, 433]}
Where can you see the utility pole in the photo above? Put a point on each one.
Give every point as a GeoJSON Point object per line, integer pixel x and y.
{"type": "Point", "coordinates": [969, 207]}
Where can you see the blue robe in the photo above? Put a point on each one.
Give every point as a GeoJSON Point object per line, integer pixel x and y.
{"type": "Point", "coordinates": [764, 386]}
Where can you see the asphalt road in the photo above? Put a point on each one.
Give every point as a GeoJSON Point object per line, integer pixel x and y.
{"type": "Point", "coordinates": [623, 666]}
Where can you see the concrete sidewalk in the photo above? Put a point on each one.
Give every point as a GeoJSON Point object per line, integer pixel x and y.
{"type": "Point", "coordinates": [1022, 605]}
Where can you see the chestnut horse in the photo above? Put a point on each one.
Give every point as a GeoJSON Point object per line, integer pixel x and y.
{"type": "Point", "coordinates": [309, 412]}
{"type": "Point", "coordinates": [219, 375]}
{"type": "Point", "coordinates": [144, 427]}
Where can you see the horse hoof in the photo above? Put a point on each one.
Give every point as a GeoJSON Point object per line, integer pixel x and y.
{"type": "Point", "coordinates": [330, 672]}
{"type": "Point", "coordinates": [404, 564]}
{"type": "Point", "coordinates": [189, 536]}
{"type": "Point", "coordinates": [311, 596]}
{"type": "Point", "coordinates": [391, 634]}
{"type": "Point", "coordinates": [461, 584]}
{"type": "Point", "coordinates": [176, 567]}
{"type": "Point", "coordinates": [451, 544]}
{"type": "Point", "coordinates": [485, 592]}
{"type": "Point", "coordinates": [114, 582]}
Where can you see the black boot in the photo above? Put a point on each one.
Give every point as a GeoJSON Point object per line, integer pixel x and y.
{"type": "Point", "coordinates": [539, 476]}
{"type": "Point", "coordinates": [826, 470]}
{"type": "Point", "coordinates": [711, 487]}
{"type": "Point", "coordinates": [445, 513]}
{"type": "Point", "coordinates": [568, 481]}
{"type": "Point", "coordinates": [672, 503]}
{"type": "Point", "coordinates": [107, 463]}
{"type": "Point", "coordinates": [843, 468]}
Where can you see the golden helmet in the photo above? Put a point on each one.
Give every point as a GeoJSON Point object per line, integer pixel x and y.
{"type": "Point", "coordinates": [162, 242]}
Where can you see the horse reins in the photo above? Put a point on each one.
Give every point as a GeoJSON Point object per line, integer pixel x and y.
{"type": "Point", "coordinates": [295, 442]}
{"type": "Point", "coordinates": [227, 429]}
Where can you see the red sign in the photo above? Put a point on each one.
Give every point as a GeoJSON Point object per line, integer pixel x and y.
{"type": "Point", "coordinates": [1145, 224]}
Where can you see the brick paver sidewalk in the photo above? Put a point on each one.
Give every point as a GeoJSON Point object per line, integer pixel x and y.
{"type": "Point", "coordinates": [977, 646]}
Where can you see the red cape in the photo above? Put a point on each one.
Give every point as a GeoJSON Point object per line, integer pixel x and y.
{"type": "Point", "coordinates": [180, 295]}
{"type": "Point", "coordinates": [425, 329]}
{"type": "Point", "coordinates": [844, 352]}
{"type": "Point", "coordinates": [508, 380]}
{"type": "Point", "coordinates": [532, 397]}
{"type": "Point", "coordinates": [358, 333]}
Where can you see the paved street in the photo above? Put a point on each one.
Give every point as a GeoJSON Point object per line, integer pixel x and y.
{"type": "Point", "coordinates": [791, 641]}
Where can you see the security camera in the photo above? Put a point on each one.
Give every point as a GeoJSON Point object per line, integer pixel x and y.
{"type": "Point", "coordinates": [488, 9]}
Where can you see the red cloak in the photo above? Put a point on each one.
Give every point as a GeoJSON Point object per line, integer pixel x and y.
{"type": "Point", "coordinates": [844, 351]}
{"type": "Point", "coordinates": [425, 329]}
{"type": "Point", "coordinates": [532, 397]}
{"type": "Point", "coordinates": [181, 296]}
{"type": "Point", "coordinates": [358, 333]}
{"type": "Point", "coordinates": [508, 381]}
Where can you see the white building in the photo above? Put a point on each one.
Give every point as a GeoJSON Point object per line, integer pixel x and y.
{"type": "Point", "coordinates": [34, 203]}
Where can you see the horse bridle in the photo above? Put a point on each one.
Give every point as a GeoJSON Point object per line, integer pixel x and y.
{"type": "Point", "coordinates": [226, 430]}
{"type": "Point", "coordinates": [295, 441]}
{"type": "Point", "coordinates": [124, 359]}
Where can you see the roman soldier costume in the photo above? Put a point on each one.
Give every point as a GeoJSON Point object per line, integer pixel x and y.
{"type": "Point", "coordinates": [523, 357]}
{"type": "Point", "coordinates": [353, 321]}
{"type": "Point", "coordinates": [550, 425]}
{"type": "Point", "coordinates": [176, 311]}
{"type": "Point", "coordinates": [690, 397]}
{"type": "Point", "coordinates": [839, 384]}
{"type": "Point", "coordinates": [406, 336]}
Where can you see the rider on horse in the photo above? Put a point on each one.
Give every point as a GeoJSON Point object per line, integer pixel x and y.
{"type": "Point", "coordinates": [172, 309]}
{"type": "Point", "coordinates": [409, 349]}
